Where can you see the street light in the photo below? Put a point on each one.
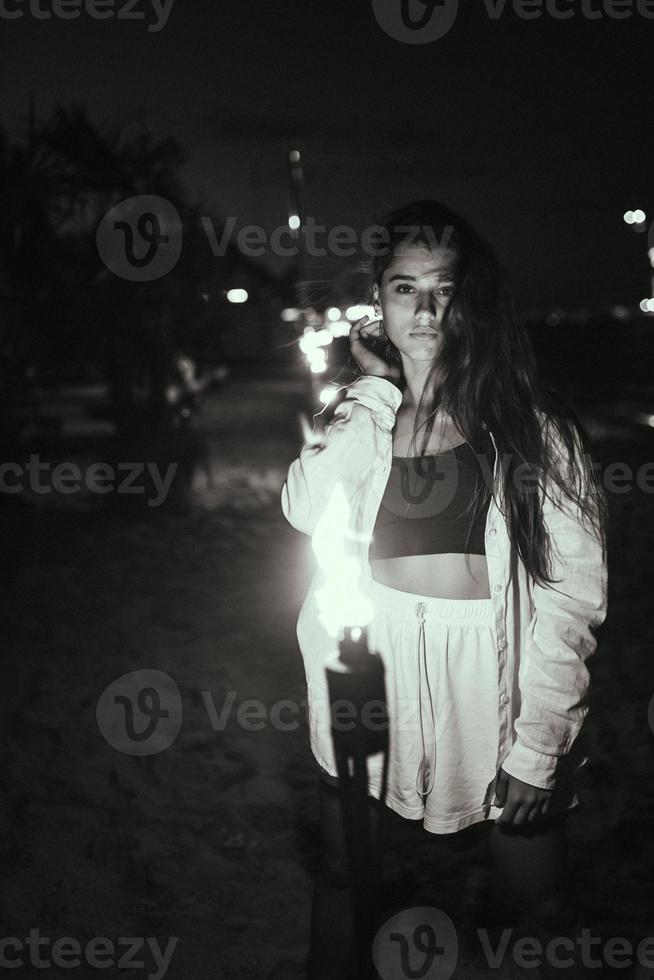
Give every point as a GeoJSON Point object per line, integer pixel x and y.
{"type": "Point", "coordinates": [637, 219]}
{"type": "Point", "coordinates": [237, 295]}
{"type": "Point", "coordinates": [296, 217]}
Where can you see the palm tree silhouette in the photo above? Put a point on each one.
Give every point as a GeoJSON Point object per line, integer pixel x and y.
{"type": "Point", "coordinates": [57, 300]}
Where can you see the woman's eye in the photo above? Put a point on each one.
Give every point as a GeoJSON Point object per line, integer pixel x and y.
{"type": "Point", "coordinates": [405, 289]}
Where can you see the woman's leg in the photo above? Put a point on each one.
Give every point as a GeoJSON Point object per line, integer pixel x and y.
{"type": "Point", "coordinates": [534, 863]}
{"type": "Point", "coordinates": [332, 951]}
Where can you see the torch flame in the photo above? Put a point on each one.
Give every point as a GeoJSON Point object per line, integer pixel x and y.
{"type": "Point", "coordinates": [340, 602]}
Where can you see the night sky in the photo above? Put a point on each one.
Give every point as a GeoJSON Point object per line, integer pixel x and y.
{"type": "Point", "coordinates": [540, 131]}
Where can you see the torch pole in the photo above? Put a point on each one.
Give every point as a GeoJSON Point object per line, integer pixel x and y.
{"type": "Point", "coordinates": [356, 689]}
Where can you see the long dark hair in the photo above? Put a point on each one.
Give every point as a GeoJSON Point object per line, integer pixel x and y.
{"type": "Point", "coordinates": [488, 381]}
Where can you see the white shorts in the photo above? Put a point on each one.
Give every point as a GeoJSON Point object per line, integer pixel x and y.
{"type": "Point", "coordinates": [441, 678]}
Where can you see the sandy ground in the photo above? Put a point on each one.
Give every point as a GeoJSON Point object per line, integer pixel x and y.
{"type": "Point", "coordinates": [214, 839]}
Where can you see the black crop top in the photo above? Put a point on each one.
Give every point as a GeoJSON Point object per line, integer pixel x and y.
{"type": "Point", "coordinates": [424, 510]}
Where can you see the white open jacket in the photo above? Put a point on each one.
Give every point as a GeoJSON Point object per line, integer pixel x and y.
{"type": "Point", "coordinates": [544, 635]}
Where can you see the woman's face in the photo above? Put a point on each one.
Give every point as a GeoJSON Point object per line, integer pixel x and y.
{"type": "Point", "coordinates": [414, 294]}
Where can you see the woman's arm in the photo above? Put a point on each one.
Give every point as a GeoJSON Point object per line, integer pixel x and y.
{"type": "Point", "coordinates": [553, 677]}
{"type": "Point", "coordinates": [343, 453]}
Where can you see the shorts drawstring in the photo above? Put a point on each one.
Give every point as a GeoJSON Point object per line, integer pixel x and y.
{"type": "Point", "coordinates": [422, 655]}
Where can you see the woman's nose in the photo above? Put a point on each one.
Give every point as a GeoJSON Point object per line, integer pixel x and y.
{"type": "Point", "coordinates": [426, 307]}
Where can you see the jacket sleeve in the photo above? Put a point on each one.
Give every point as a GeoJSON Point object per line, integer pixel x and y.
{"type": "Point", "coordinates": [343, 453]}
{"type": "Point", "coordinates": [553, 677]}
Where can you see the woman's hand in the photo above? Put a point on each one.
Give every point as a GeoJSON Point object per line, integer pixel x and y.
{"type": "Point", "coordinates": [522, 803]}
{"type": "Point", "coordinates": [361, 341]}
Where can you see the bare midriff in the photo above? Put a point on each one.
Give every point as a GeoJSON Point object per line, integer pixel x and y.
{"type": "Point", "coordinates": [447, 576]}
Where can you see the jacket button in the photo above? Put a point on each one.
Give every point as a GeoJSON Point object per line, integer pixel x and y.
{"type": "Point", "coordinates": [504, 698]}
{"type": "Point", "coordinates": [501, 645]}
{"type": "Point", "coordinates": [492, 532]}
{"type": "Point", "coordinates": [497, 588]}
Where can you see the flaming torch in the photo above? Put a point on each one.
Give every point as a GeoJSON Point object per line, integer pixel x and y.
{"type": "Point", "coordinates": [355, 679]}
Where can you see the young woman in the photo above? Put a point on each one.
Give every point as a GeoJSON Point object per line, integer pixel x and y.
{"type": "Point", "coordinates": [483, 551]}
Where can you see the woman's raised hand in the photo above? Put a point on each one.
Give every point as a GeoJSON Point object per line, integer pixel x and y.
{"type": "Point", "coordinates": [363, 343]}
